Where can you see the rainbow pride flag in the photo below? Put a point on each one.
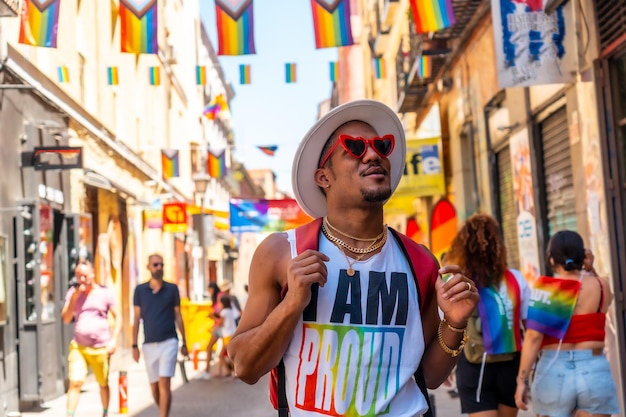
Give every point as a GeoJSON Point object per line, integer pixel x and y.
{"type": "Point", "coordinates": [63, 74]}
{"type": "Point", "coordinates": [244, 74]}
{"type": "Point", "coordinates": [200, 75]}
{"type": "Point", "coordinates": [169, 163]}
{"type": "Point", "coordinates": [268, 150]}
{"type": "Point", "coordinates": [425, 67]}
{"type": "Point", "coordinates": [139, 24]}
{"type": "Point", "coordinates": [432, 15]}
{"type": "Point", "coordinates": [155, 75]}
{"type": "Point", "coordinates": [334, 72]}
{"type": "Point", "coordinates": [290, 73]}
{"type": "Point", "coordinates": [551, 305]}
{"type": "Point", "coordinates": [331, 22]}
{"type": "Point", "coordinates": [379, 68]}
{"type": "Point", "coordinates": [216, 164]}
{"type": "Point", "coordinates": [39, 22]}
{"type": "Point", "coordinates": [500, 316]}
{"type": "Point", "coordinates": [235, 27]}
{"type": "Point", "coordinates": [112, 76]}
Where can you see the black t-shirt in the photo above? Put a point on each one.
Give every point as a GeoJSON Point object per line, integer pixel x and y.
{"type": "Point", "coordinates": [157, 311]}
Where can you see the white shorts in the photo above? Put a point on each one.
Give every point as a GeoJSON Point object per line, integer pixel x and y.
{"type": "Point", "coordinates": [160, 359]}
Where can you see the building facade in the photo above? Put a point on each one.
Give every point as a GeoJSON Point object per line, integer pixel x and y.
{"type": "Point", "coordinates": [541, 158]}
{"type": "Point", "coordinates": [95, 206]}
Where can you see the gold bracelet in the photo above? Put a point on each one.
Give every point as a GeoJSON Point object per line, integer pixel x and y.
{"type": "Point", "coordinates": [452, 328]}
{"type": "Point", "coordinates": [452, 352]}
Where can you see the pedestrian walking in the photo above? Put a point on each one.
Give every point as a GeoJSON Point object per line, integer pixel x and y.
{"type": "Point", "coordinates": [157, 305]}
{"type": "Point", "coordinates": [89, 305]}
{"type": "Point", "coordinates": [216, 330]}
{"type": "Point", "coordinates": [487, 369]}
{"type": "Point", "coordinates": [359, 316]}
{"type": "Point", "coordinates": [228, 323]}
{"type": "Point", "coordinates": [565, 337]}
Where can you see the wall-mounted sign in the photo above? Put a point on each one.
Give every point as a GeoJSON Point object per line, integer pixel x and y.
{"type": "Point", "coordinates": [175, 217]}
{"type": "Point", "coordinates": [53, 157]}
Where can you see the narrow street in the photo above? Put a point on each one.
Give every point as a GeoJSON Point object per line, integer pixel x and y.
{"type": "Point", "coordinates": [217, 397]}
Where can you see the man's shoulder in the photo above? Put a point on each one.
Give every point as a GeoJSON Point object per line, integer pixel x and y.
{"type": "Point", "coordinates": [413, 248]}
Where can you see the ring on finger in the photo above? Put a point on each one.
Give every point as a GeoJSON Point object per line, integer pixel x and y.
{"type": "Point", "coordinates": [469, 286]}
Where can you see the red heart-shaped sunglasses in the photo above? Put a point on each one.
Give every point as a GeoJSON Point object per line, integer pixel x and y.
{"type": "Point", "coordinates": [357, 146]}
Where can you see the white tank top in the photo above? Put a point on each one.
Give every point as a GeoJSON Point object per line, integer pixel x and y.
{"type": "Point", "coordinates": [358, 343]}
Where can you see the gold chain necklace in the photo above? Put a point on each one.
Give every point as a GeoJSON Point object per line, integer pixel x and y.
{"type": "Point", "coordinates": [371, 248]}
{"type": "Point", "coordinates": [359, 239]}
{"type": "Point", "coordinates": [350, 270]}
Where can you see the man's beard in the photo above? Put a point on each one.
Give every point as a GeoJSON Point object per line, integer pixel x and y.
{"type": "Point", "coordinates": [157, 275]}
{"type": "Point", "coordinates": [377, 196]}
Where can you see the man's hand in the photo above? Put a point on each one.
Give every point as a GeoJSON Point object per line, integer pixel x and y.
{"type": "Point", "coordinates": [457, 296]}
{"type": "Point", "coordinates": [184, 351]}
{"type": "Point", "coordinates": [304, 270]}
{"type": "Point", "coordinates": [136, 354]}
{"type": "Point", "coordinates": [111, 346]}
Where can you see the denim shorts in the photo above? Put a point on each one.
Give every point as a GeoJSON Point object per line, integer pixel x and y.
{"type": "Point", "coordinates": [573, 379]}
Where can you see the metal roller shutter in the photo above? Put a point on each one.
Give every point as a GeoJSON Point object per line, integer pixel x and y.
{"type": "Point", "coordinates": [559, 198]}
{"type": "Point", "coordinates": [508, 211]}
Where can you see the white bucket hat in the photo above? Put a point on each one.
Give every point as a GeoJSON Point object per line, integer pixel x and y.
{"type": "Point", "coordinates": [378, 115]}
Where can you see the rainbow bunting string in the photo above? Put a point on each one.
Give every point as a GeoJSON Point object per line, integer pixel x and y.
{"type": "Point", "coordinates": [39, 22]}
{"type": "Point", "coordinates": [139, 24]}
{"type": "Point", "coordinates": [379, 68]}
{"type": "Point", "coordinates": [155, 76]}
{"type": "Point", "coordinates": [332, 26]}
{"type": "Point", "coordinates": [200, 75]}
{"type": "Point", "coordinates": [290, 73]}
{"type": "Point", "coordinates": [216, 164]}
{"type": "Point", "coordinates": [551, 305]}
{"type": "Point", "coordinates": [63, 74]}
{"type": "Point", "coordinates": [425, 67]}
{"type": "Point", "coordinates": [112, 76]}
{"type": "Point", "coordinates": [235, 27]}
{"type": "Point", "coordinates": [432, 15]}
{"type": "Point", "coordinates": [268, 150]}
{"type": "Point", "coordinates": [169, 163]}
{"type": "Point", "coordinates": [244, 74]}
{"type": "Point", "coordinates": [334, 72]}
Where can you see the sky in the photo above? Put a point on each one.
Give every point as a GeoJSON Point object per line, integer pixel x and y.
{"type": "Point", "coordinates": [269, 111]}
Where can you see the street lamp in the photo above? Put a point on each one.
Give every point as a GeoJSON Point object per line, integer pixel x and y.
{"type": "Point", "coordinates": [201, 183]}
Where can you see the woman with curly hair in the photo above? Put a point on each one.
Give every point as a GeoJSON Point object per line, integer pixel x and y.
{"type": "Point", "coordinates": [486, 371]}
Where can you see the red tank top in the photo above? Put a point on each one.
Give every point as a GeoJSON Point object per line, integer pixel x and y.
{"type": "Point", "coordinates": [583, 327]}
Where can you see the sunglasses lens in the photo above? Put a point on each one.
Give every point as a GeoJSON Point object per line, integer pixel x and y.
{"type": "Point", "coordinates": [383, 146]}
{"type": "Point", "coordinates": [355, 146]}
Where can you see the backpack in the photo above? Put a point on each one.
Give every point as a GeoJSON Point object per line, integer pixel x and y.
{"type": "Point", "coordinates": [307, 237]}
{"type": "Point", "coordinates": [475, 346]}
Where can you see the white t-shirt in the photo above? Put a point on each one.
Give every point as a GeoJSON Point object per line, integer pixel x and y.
{"type": "Point", "coordinates": [358, 343]}
{"type": "Point", "coordinates": [228, 324]}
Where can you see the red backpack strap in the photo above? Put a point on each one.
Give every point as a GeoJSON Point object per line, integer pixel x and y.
{"type": "Point", "coordinates": [307, 237]}
{"type": "Point", "coordinates": [424, 266]}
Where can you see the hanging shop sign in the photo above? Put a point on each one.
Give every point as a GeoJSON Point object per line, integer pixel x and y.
{"type": "Point", "coordinates": [46, 158]}
{"type": "Point", "coordinates": [175, 217]}
{"type": "Point", "coordinates": [423, 173]}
